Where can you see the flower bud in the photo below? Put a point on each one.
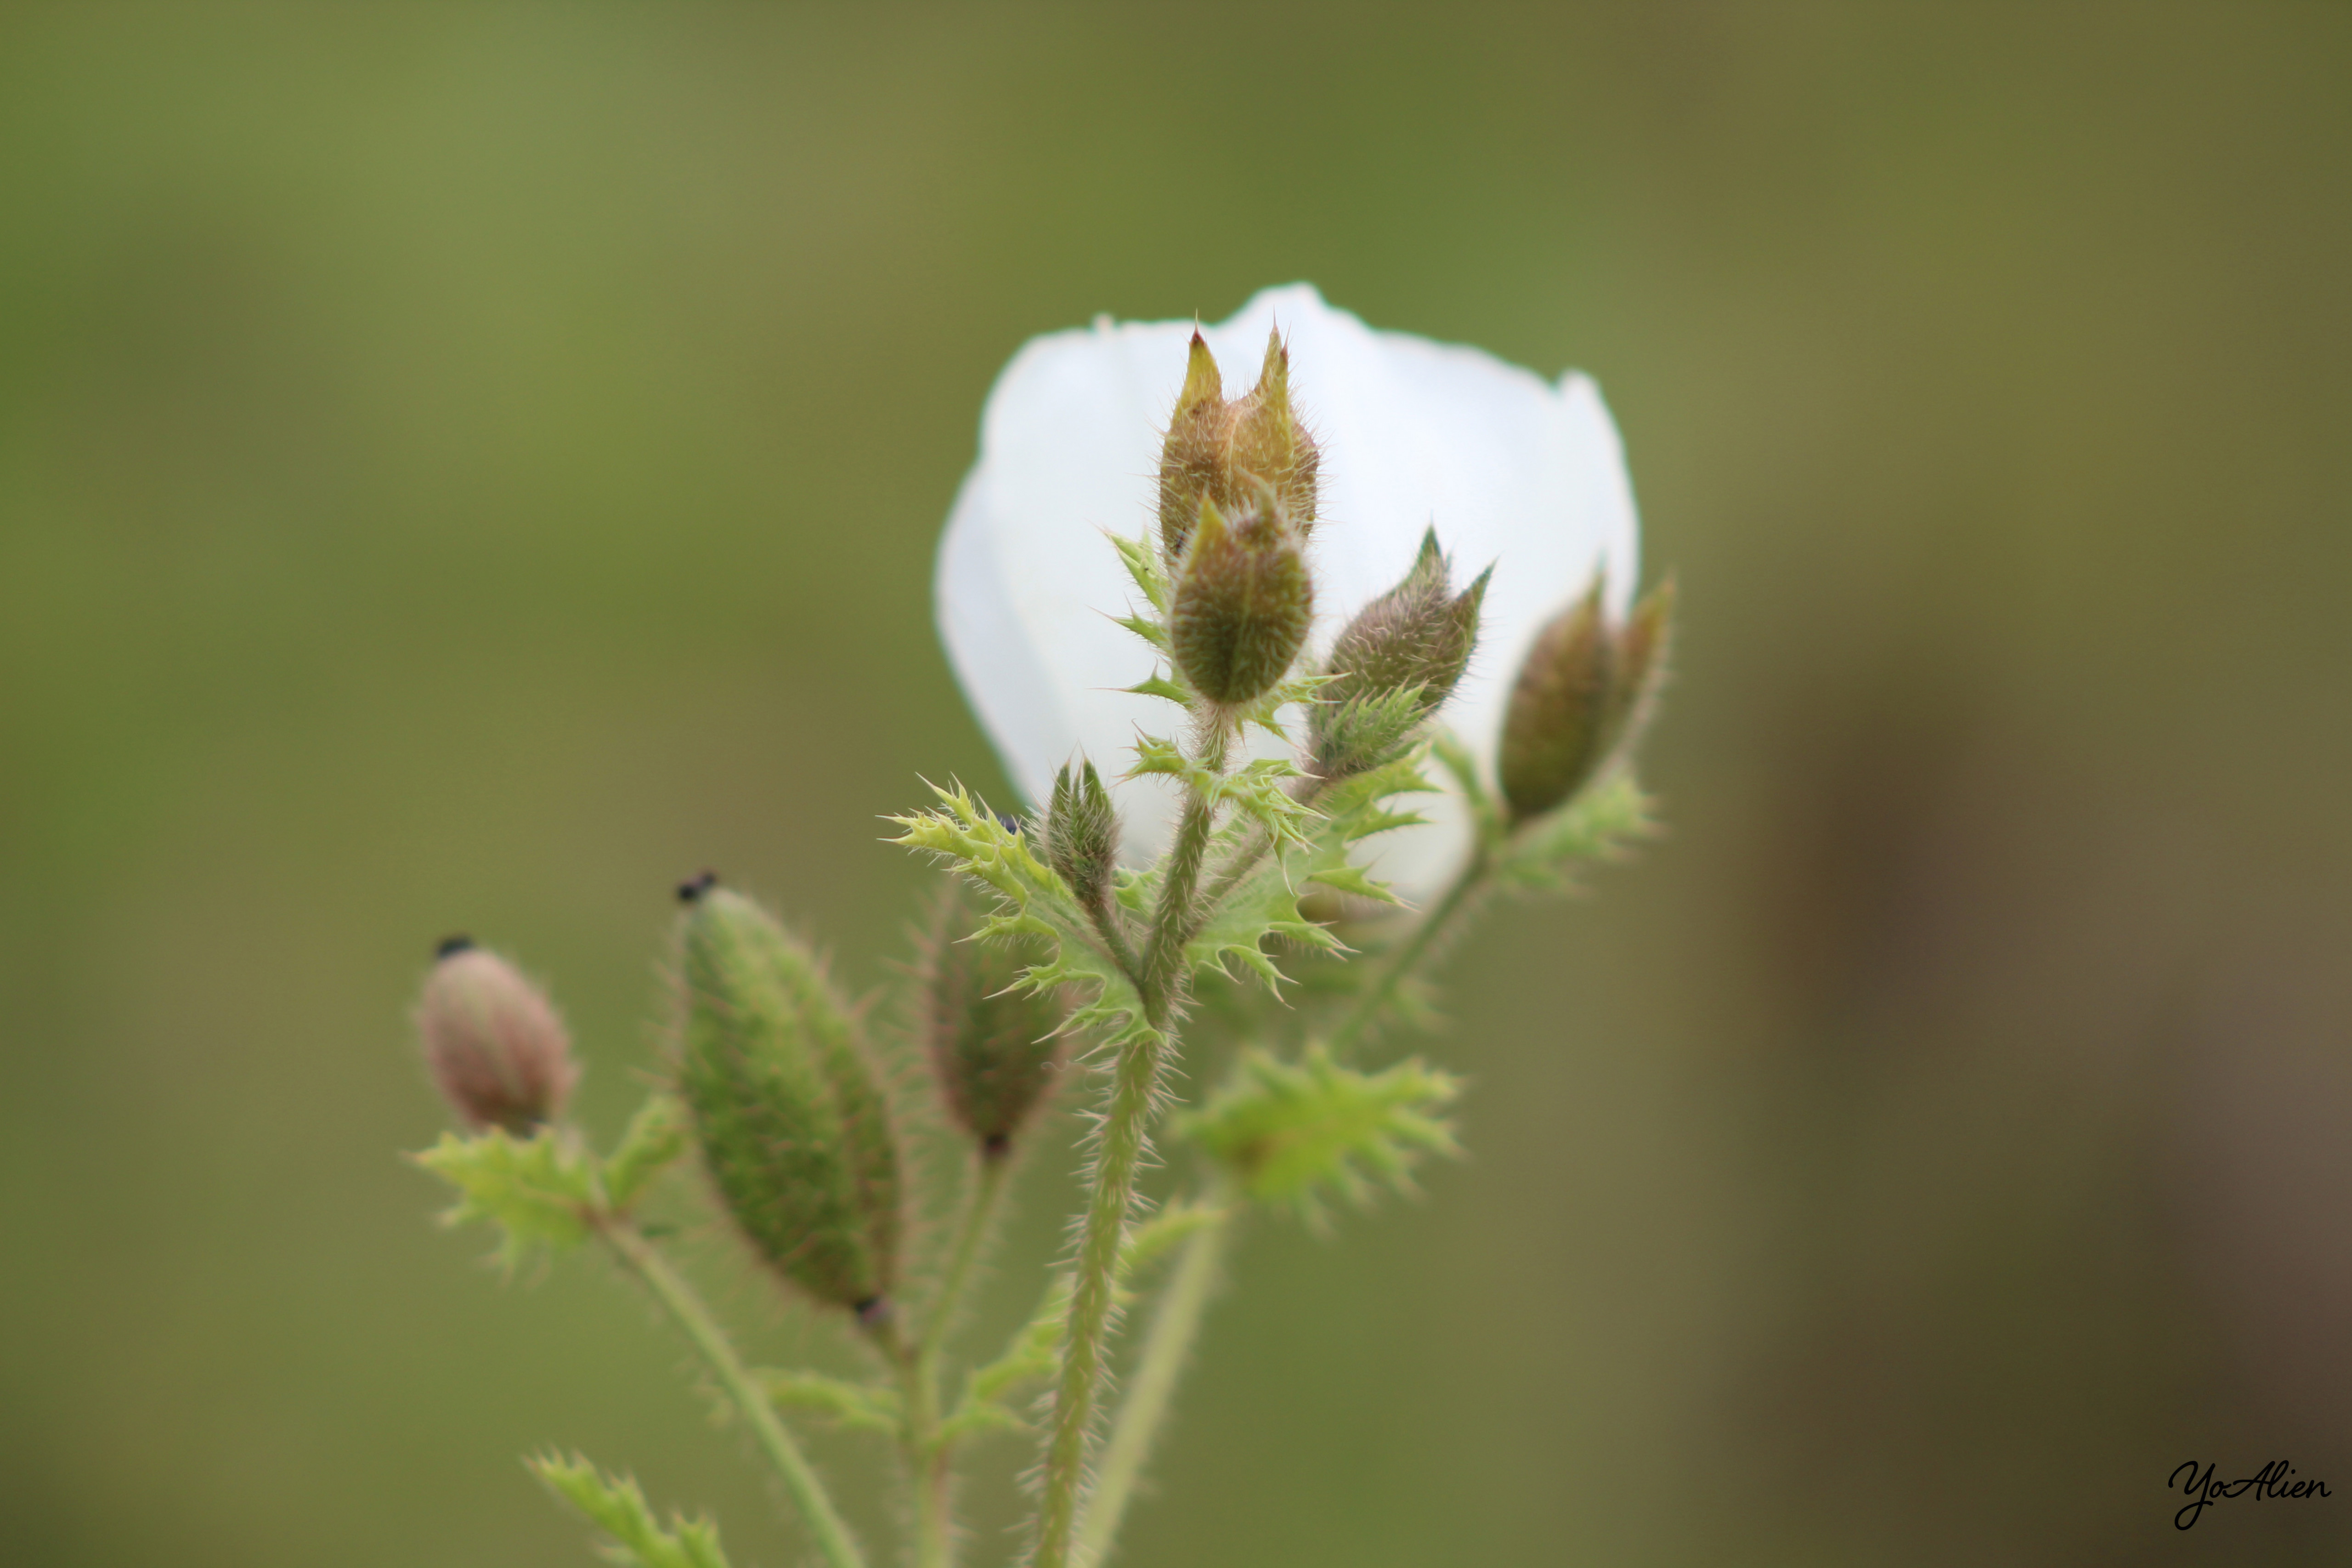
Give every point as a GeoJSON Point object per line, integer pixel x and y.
{"type": "Point", "coordinates": [1582, 699]}
{"type": "Point", "coordinates": [1394, 665]}
{"type": "Point", "coordinates": [1219, 451]}
{"type": "Point", "coordinates": [993, 1049]}
{"type": "Point", "coordinates": [1082, 834]}
{"type": "Point", "coordinates": [1244, 601]}
{"type": "Point", "coordinates": [788, 1109]}
{"type": "Point", "coordinates": [495, 1046]}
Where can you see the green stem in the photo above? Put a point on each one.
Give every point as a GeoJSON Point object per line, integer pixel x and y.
{"type": "Point", "coordinates": [1429, 939]}
{"type": "Point", "coordinates": [676, 1295]}
{"type": "Point", "coordinates": [1175, 1323]}
{"type": "Point", "coordinates": [1135, 1086]}
{"type": "Point", "coordinates": [930, 1459]}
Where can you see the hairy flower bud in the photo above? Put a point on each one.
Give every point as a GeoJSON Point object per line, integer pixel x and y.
{"type": "Point", "coordinates": [1244, 601]}
{"type": "Point", "coordinates": [788, 1109]}
{"type": "Point", "coordinates": [1581, 699]}
{"type": "Point", "coordinates": [1219, 451]}
{"type": "Point", "coordinates": [1394, 665]}
{"type": "Point", "coordinates": [993, 1049]}
{"type": "Point", "coordinates": [497, 1050]}
{"type": "Point", "coordinates": [1082, 834]}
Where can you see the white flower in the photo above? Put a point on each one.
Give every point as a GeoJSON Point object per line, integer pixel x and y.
{"type": "Point", "coordinates": [1509, 468]}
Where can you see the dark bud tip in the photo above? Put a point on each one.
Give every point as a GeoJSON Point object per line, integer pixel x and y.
{"type": "Point", "coordinates": [1011, 823]}
{"type": "Point", "coordinates": [872, 1312]}
{"type": "Point", "coordinates": [995, 1146]}
{"type": "Point", "coordinates": [693, 888]}
{"type": "Point", "coordinates": [450, 946]}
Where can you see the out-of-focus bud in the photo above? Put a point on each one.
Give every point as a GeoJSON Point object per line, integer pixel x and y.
{"type": "Point", "coordinates": [1219, 451]}
{"type": "Point", "coordinates": [1082, 834]}
{"type": "Point", "coordinates": [993, 1049]}
{"type": "Point", "coordinates": [788, 1110]}
{"type": "Point", "coordinates": [1582, 696]}
{"type": "Point", "coordinates": [1395, 664]}
{"type": "Point", "coordinates": [497, 1050]}
{"type": "Point", "coordinates": [1244, 601]}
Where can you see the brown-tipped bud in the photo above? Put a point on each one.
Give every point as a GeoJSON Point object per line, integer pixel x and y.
{"type": "Point", "coordinates": [1581, 699]}
{"type": "Point", "coordinates": [1395, 663]}
{"type": "Point", "coordinates": [1082, 834]}
{"type": "Point", "coordinates": [992, 1046]}
{"type": "Point", "coordinates": [1220, 451]}
{"type": "Point", "coordinates": [497, 1050]}
{"type": "Point", "coordinates": [1643, 655]}
{"type": "Point", "coordinates": [1243, 604]}
{"type": "Point", "coordinates": [788, 1109]}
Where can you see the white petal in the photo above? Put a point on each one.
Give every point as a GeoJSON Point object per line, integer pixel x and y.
{"type": "Point", "coordinates": [1510, 470]}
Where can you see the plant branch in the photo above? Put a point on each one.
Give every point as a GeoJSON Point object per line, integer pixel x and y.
{"type": "Point", "coordinates": [678, 1298]}
{"type": "Point", "coordinates": [1175, 1323]}
{"type": "Point", "coordinates": [1428, 940]}
{"type": "Point", "coordinates": [1135, 1086]}
{"type": "Point", "coordinates": [930, 1458]}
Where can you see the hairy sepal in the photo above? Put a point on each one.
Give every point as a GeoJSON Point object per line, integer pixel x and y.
{"type": "Point", "coordinates": [615, 1505]}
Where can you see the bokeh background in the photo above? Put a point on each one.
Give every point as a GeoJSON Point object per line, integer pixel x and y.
{"type": "Point", "coordinates": [464, 466]}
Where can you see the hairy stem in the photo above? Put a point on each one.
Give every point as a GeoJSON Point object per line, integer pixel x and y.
{"type": "Point", "coordinates": [932, 1460]}
{"type": "Point", "coordinates": [679, 1298]}
{"type": "Point", "coordinates": [1430, 939]}
{"type": "Point", "coordinates": [1175, 1323]}
{"type": "Point", "coordinates": [1135, 1085]}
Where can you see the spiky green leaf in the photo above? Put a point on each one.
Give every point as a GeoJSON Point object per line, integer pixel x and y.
{"type": "Point", "coordinates": [657, 1136]}
{"type": "Point", "coordinates": [1034, 901]}
{"type": "Point", "coordinates": [1292, 1133]}
{"type": "Point", "coordinates": [1600, 823]}
{"type": "Point", "coordinates": [615, 1505]}
{"type": "Point", "coordinates": [854, 1407]}
{"type": "Point", "coordinates": [538, 1191]}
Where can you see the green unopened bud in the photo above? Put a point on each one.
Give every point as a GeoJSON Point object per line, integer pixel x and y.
{"type": "Point", "coordinates": [993, 1047]}
{"type": "Point", "coordinates": [1082, 834]}
{"type": "Point", "coordinates": [1395, 664]}
{"type": "Point", "coordinates": [787, 1106]}
{"type": "Point", "coordinates": [1243, 604]}
{"type": "Point", "coordinates": [1582, 699]}
{"type": "Point", "coordinates": [1220, 450]}
{"type": "Point", "coordinates": [492, 1040]}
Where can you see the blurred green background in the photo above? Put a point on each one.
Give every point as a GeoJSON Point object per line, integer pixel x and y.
{"type": "Point", "coordinates": [464, 468]}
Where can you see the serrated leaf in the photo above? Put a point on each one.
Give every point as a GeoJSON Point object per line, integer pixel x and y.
{"type": "Point", "coordinates": [1141, 558]}
{"type": "Point", "coordinates": [1034, 901]}
{"type": "Point", "coordinates": [657, 1136]}
{"type": "Point", "coordinates": [1291, 1133]}
{"type": "Point", "coordinates": [615, 1505]}
{"type": "Point", "coordinates": [1161, 685]}
{"type": "Point", "coordinates": [1150, 1241]}
{"type": "Point", "coordinates": [1603, 822]}
{"type": "Point", "coordinates": [538, 1191]}
{"type": "Point", "coordinates": [856, 1406]}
